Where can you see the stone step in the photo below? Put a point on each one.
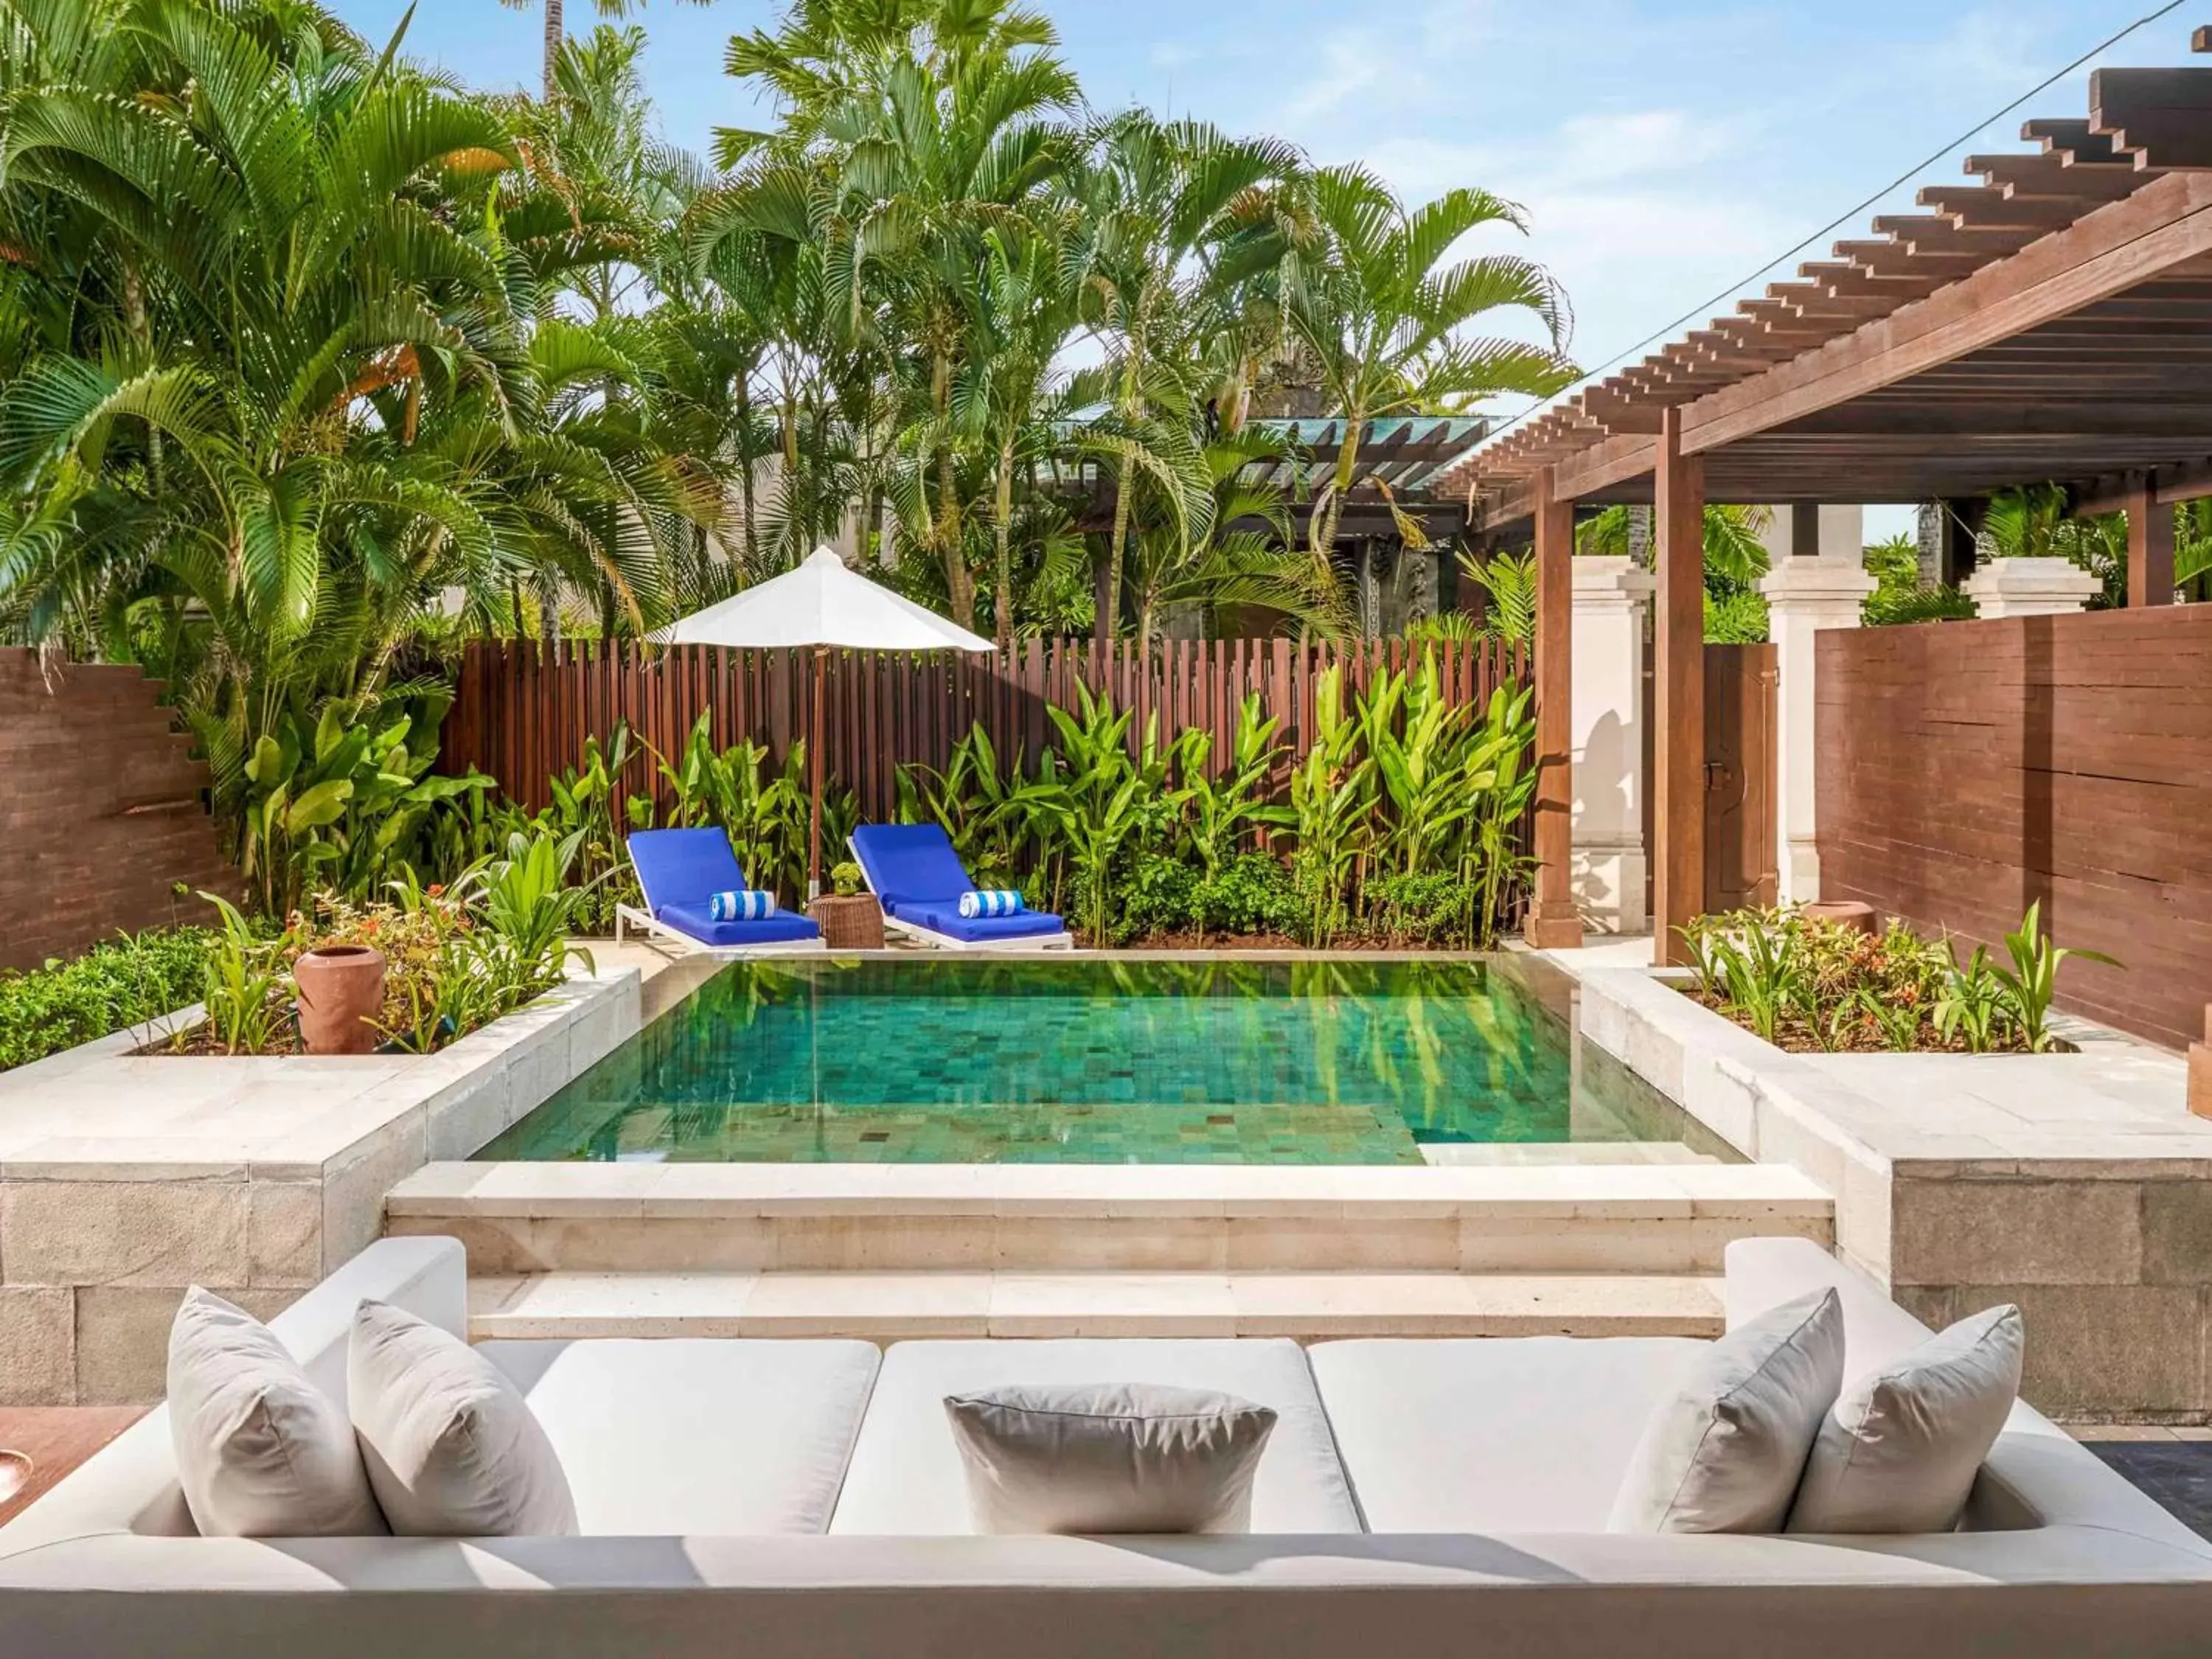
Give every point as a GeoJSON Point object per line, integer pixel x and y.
{"type": "Point", "coordinates": [517, 1218]}
{"type": "Point", "coordinates": [887, 1307]}
{"type": "Point", "coordinates": [1453, 1155]}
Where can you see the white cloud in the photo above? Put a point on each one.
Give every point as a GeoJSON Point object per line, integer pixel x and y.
{"type": "Point", "coordinates": [1350, 62]}
{"type": "Point", "coordinates": [1174, 54]}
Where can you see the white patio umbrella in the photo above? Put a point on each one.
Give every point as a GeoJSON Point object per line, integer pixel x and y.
{"type": "Point", "coordinates": [823, 605]}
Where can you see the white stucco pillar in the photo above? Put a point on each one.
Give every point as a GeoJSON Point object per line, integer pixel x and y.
{"type": "Point", "coordinates": [1803, 596]}
{"type": "Point", "coordinates": [2030, 587]}
{"type": "Point", "coordinates": [1611, 598]}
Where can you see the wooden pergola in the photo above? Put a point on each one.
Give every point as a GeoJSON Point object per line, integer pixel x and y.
{"type": "Point", "coordinates": [2051, 321]}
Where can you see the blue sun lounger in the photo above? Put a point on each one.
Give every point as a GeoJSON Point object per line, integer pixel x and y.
{"type": "Point", "coordinates": [918, 878]}
{"type": "Point", "coordinates": [678, 870]}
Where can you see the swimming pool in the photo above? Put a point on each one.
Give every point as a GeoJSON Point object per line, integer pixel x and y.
{"type": "Point", "coordinates": [1090, 1060]}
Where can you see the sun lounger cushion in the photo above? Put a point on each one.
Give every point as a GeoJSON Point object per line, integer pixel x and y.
{"type": "Point", "coordinates": [920, 881]}
{"type": "Point", "coordinates": [906, 1476]}
{"type": "Point", "coordinates": [940, 917]}
{"type": "Point", "coordinates": [911, 862]}
{"type": "Point", "coordinates": [781, 928]}
{"type": "Point", "coordinates": [1531, 1435]}
{"type": "Point", "coordinates": [693, 1435]}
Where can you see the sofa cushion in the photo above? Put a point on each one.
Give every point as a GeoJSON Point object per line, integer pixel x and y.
{"type": "Point", "coordinates": [452, 1450]}
{"type": "Point", "coordinates": [696, 1435]}
{"type": "Point", "coordinates": [1108, 1458]}
{"type": "Point", "coordinates": [261, 1451]}
{"type": "Point", "coordinates": [1724, 1451]}
{"type": "Point", "coordinates": [906, 1474]}
{"type": "Point", "coordinates": [1487, 1436]}
{"type": "Point", "coordinates": [1900, 1450]}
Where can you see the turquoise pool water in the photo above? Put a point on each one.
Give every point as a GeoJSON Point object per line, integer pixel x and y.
{"type": "Point", "coordinates": [1091, 1060]}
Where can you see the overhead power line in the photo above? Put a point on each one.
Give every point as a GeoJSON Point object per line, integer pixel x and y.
{"type": "Point", "coordinates": [1700, 311]}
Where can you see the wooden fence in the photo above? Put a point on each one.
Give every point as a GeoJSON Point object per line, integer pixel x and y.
{"type": "Point", "coordinates": [522, 712]}
{"type": "Point", "coordinates": [1966, 769]}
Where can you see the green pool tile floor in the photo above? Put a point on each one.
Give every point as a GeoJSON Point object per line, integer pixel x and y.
{"type": "Point", "coordinates": [1096, 1060]}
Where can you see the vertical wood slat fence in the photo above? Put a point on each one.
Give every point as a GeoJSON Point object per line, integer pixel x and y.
{"type": "Point", "coordinates": [522, 711]}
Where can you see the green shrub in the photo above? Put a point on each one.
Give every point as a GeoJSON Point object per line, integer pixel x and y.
{"type": "Point", "coordinates": [1252, 893]}
{"type": "Point", "coordinates": [1155, 899]}
{"type": "Point", "coordinates": [1435, 910]}
{"type": "Point", "coordinates": [110, 987]}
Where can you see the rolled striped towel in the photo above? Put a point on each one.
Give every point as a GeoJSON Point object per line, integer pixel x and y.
{"type": "Point", "coordinates": [994, 902]}
{"type": "Point", "coordinates": [747, 906]}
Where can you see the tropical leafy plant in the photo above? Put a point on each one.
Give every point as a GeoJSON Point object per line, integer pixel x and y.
{"type": "Point", "coordinates": [2031, 981]}
{"type": "Point", "coordinates": [245, 989]}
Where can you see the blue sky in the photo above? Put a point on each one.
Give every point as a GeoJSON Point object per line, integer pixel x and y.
{"type": "Point", "coordinates": [1662, 151]}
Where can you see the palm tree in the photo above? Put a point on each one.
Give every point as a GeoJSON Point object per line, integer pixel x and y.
{"type": "Point", "coordinates": [1162, 203]}
{"type": "Point", "coordinates": [1236, 549]}
{"type": "Point", "coordinates": [1020, 314]}
{"type": "Point", "coordinates": [911, 130]}
{"type": "Point", "coordinates": [1383, 317]}
{"type": "Point", "coordinates": [557, 32]}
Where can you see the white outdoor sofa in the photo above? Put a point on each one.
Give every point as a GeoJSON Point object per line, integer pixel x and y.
{"type": "Point", "coordinates": [800, 1500]}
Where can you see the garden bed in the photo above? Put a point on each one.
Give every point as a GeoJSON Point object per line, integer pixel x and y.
{"type": "Point", "coordinates": [1809, 986]}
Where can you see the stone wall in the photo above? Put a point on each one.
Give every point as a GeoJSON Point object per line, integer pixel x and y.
{"type": "Point", "coordinates": [126, 1177]}
{"type": "Point", "coordinates": [2075, 1185]}
{"type": "Point", "coordinates": [101, 813]}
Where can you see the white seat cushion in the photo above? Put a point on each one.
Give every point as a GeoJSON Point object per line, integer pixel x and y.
{"type": "Point", "coordinates": [700, 1437]}
{"type": "Point", "coordinates": [1488, 1435]}
{"type": "Point", "coordinates": [907, 1478]}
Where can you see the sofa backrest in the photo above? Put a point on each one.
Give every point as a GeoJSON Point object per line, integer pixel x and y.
{"type": "Point", "coordinates": [130, 1485]}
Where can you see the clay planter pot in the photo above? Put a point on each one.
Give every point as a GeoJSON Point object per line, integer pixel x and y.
{"type": "Point", "coordinates": [340, 993]}
{"type": "Point", "coordinates": [1845, 913]}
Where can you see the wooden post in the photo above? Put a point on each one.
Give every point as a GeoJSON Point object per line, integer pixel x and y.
{"type": "Point", "coordinates": [1677, 529]}
{"type": "Point", "coordinates": [2150, 545]}
{"type": "Point", "coordinates": [814, 785]}
{"type": "Point", "coordinates": [1554, 922]}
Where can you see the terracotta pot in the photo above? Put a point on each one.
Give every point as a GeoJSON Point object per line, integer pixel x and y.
{"type": "Point", "coordinates": [1845, 913]}
{"type": "Point", "coordinates": [340, 993]}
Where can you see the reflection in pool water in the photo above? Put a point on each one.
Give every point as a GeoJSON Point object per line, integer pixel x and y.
{"type": "Point", "coordinates": [1099, 1059]}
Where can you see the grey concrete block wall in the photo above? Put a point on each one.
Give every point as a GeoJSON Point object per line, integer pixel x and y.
{"type": "Point", "coordinates": [2086, 1199]}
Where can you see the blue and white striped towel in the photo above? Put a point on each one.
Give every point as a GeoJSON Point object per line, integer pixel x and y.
{"type": "Point", "coordinates": [748, 906]}
{"type": "Point", "coordinates": [996, 901]}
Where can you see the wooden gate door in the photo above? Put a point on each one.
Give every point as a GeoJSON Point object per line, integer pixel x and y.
{"type": "Point", "coordinates": [1741, 853]}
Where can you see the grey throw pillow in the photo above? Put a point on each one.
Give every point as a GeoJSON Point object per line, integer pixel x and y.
{"type": "Point", "coordinates": [1108, 1458]}
{"type": "Point", "coordinates": [261, 1451]}
{"type": "Point", "coordinates": [453, 1449]}
{"type": "Point", "coordinates": [1724, 1452]}
{"type": "Point", "coordinates": [1899, 1452]}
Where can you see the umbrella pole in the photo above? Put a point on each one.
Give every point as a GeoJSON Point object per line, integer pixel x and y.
{"type": "Point", "coordinates": [814, 771]}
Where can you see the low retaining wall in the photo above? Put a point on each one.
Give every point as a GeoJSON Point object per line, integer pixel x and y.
{"type": "Point", "coordinates": [125, 1178]}
{"type": "Point", "coordinates": [2075, 1185]}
